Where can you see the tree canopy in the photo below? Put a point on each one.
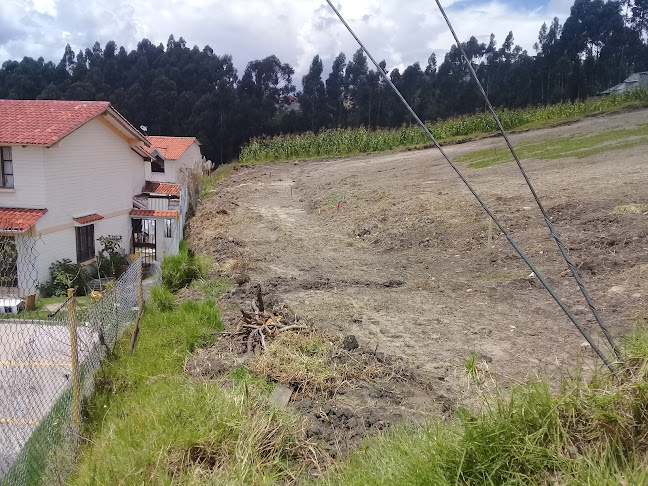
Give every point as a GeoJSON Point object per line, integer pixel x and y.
{"type": "Point", "coordinates": [179, 91]}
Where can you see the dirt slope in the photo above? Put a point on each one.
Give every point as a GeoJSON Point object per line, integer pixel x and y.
{"type": "Point", "coordinates": [404, 264]}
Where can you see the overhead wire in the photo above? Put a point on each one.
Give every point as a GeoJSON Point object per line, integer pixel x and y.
{"type": "Point", "coordinates": [545, 215]}
{"type": "Point", "coordinates": [500, 226]}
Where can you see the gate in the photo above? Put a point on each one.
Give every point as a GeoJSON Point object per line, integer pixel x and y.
{"type": "Point", "coordinates": [144, 240]}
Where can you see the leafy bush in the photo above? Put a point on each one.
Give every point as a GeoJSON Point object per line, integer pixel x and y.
{"type": "Point", "coordinates": [64, 275]}
{"type": "Point", "coordinates": [180, 270]}
{"type": "Point", "coordinates": [111, 260]}
{"type": "Point", "coordinates": [162, 298]}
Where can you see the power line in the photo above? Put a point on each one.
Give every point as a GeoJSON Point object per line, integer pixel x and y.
{"type": "Point", "coordinates": [547, 219]}
{"type": "Point", "coordinates": [501, 227]}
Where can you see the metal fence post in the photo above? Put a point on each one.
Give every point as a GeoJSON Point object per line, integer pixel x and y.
{"type": "Point", "coordinates": [74, 354]}
{"type": "Point", "coordinates": [140, 306]}
{"type": "Point", "coordinates": [140, 301]}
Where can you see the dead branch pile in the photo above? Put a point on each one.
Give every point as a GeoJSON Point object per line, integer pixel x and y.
{"type": "Point", "coordinates": [258, 327]}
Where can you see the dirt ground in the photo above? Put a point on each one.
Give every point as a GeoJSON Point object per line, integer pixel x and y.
{"type": "Point", "coordinates": [404, 263]}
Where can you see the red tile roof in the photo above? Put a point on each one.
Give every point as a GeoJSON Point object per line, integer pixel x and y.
{"type": "Point", "coordinates": [170, 147]}
{"type": "Point", "coordinates": [19, 219]}
{"type": "Point", "coordinates": [154, 213]}
{"type": "Point", "coordinates": [90, 218]}
{"type": "Point", "coordinates": [162, 188]}
{"type": "Point", "coordinates": [44, 122]}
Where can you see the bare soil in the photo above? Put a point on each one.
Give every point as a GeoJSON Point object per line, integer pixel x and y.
{"type": "Point", "coordinates": [405, 266]}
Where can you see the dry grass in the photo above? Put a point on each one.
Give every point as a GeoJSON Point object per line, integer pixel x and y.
{"type": "Point", "coordinates": [237, 265]}
{"type": "Point", "coordinates": [263, 440]}
{"type": "Point", "coordinates": [630, 209]}
{"type": "Point", "coordinates": [314, 364]}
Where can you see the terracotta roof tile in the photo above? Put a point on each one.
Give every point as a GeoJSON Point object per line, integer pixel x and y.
{"type": "Point", "coordinates": [90, 218]}
{"type": "Point", "coordinates": [162, 188]}
{"type": "Point", "coordinates": [154, 213]}
{"type": "Point", "coordinates": [19, 219]}
{"type": "Point", "coordinates": [44, 122]}
{"type": "Point", "coordinates": [170, 147]}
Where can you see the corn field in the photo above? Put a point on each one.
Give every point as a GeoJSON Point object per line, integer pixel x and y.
{"type": "Point", "coordinates": [341, 142]}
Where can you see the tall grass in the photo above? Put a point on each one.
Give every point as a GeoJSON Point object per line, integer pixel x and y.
{"type": "Point", "coordinates": [592, 434]}
{"type": "Point", "coordinates": [178, 271]}
{"type": "Point", "coordinates": [341, 142]}
{"type": "Point", "coordinates": [150, 423]}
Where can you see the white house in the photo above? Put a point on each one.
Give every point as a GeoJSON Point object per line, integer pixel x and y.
{"type": "Point", "coordinates": [69, 171]}
{"type": "Point", "coordinates": [170, 155]}
{"type": "Point", "coordinates": [166, 189]}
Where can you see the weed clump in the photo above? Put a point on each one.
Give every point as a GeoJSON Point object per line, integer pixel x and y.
{"type": "Point", "coordinates": [180, 270]}
{"type": "Point", "coordinates": [162, 298]}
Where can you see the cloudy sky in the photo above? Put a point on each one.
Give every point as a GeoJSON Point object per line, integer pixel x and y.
{"type": "Point", "coordinates": [399, 31]}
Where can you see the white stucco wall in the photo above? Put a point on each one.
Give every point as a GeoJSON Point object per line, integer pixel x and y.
{"type": "Point", "coordinates": [29, 180]}
{"type": "Point", "coordinates": [172, 167]}
{"type": "Point", "coordinates": [165, 246]}
{"type": "Point", "coordinates": [169, 175]}
{"type": "Point", "coordinates": [92, 170]}
{"type": "Point", "coordinates": [189, 157]}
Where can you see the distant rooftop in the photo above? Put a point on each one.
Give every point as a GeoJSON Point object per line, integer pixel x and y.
{"type": "Point", "coordinates": [635, 80]}
{"type": "Point", "coordinates": [171, 147]}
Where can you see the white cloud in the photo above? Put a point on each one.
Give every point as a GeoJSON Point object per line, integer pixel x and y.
{"type": "Point", "coordinates": [295, 30]}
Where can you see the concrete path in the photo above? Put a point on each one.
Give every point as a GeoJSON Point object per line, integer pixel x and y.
{"type": "Point", "coordinates": [35, 370]}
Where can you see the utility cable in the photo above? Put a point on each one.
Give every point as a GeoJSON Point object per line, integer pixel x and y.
{"type": "Point", "coordinates": [547, 219]}
{"type": "Point", "coordinates": [501, 227]}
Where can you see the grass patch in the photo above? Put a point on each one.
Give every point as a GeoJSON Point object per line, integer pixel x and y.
{"type": "Point", "coordinates": [178, 271]}
{"type": "Point", "coordinates": [471, 365]}
{"type": "Point", "coordinates": [586, 434]}
{"type": "Point", "coordinates": [578, 146]}
{"type": "Point", "coordinates": [40, 313]}
{"type": "Point", "coordinates": [148, 423]}
{"type": "Point", "coordinates": [221, 173]}
{"type": "Point", "coordinates": [630, 209]}
{"type": "Point", "coordinates": [340, 142]}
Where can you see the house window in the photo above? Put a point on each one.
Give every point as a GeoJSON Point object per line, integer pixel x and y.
{"type": "Point", "coordinates": [157, 165]}
{"type": "Point", "coordinates": [168, 227]}
{"type": "Point", "coordinates": [6, 167]}
{"type": "Point", "coordinates": [85, 243]}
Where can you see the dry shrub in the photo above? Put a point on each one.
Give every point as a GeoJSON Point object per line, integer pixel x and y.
{"type": "Point", "coordinates": [238, 265]}
{"type": "Point", "coordinates": [630, 209]}
{"type": "Point", "coordinates": [313, 363]}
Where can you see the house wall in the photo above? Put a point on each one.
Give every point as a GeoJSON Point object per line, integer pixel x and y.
{"type": "Point", "coordinates": [59, 245]}
{"type": "Point", "coordinates": [170, 173]}
{"type": "Point", "coordinates": [29, 179]}
{"type": "Point", "coordinates": [189, 157]}
{"type": "Point", "coordinates": [166, 246]}
{"type": "Point", "coordinates": [92, 170]}
{"type": "Point", "coordinates": [172, 168]}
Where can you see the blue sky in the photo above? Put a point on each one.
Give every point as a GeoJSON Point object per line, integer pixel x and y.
{"type": "Point", "coordinates": [399, 31]}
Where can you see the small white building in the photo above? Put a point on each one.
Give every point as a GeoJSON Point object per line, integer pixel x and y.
{"type": "Point", "coordinates": [69, 171]}
{"type": "Point", "coordinates": [166, 191]}
{"type": "Point", "coordinates": [170, 156]}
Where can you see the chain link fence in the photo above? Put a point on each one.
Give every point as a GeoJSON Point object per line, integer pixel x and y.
{"type": "Point", "coordinates": [50, 351]}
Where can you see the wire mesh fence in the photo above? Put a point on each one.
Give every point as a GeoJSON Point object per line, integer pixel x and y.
{"type": "Point", "coordinates": [50, 351]}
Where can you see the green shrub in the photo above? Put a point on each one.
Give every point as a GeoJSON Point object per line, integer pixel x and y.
{"type": "Point", "coordinates": [162, 298]}
{"type": "Point", "coordinates": [180, 270]}
{"type": "Point", "coordinates": [112, 261]}
{"type": "Point", "coordinates": [64, 275]}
